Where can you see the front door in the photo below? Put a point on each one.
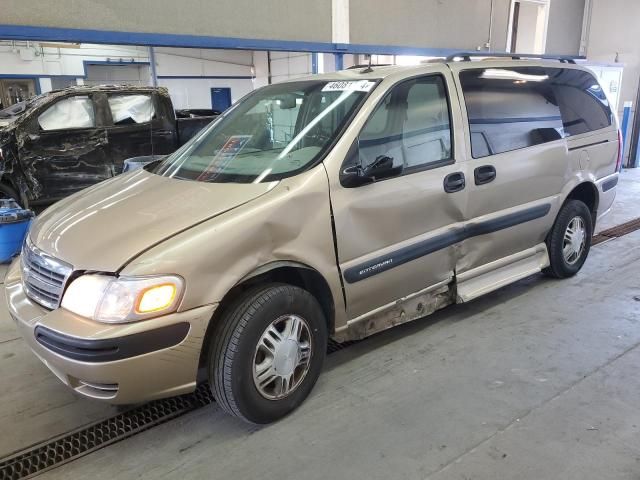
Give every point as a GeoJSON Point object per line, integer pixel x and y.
{"type": "Point", "coordinates": [397, 236]}
{"type": "Point", "coordinates": [65, 149]}
{"type": "Point", "coordinates": [220, 99]}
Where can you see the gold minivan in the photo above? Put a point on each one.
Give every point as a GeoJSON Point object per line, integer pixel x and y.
{"type": "Point", "coordinates": [333, 206]}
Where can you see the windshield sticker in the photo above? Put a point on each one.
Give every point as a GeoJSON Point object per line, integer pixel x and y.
{"type": "Point", "coordinates": [346, 86]}
{"type": "Point", "coordinates": [225, 155]}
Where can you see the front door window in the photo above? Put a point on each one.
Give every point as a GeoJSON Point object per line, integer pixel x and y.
{"type": "Point", "coordinates": [68, 113]}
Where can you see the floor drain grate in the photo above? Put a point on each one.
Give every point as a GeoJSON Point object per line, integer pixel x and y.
{"type": "Point", "coordinates": [334, 346]}
{"type": "Point", "coordinates": [617, 231]}
{"type": "Point", "coordinates": [78, 443]}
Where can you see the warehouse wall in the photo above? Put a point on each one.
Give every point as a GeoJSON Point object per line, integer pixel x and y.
{"type": "Point", "coordinates": [289, 65]}
{"type": "Point", "coordinates": [614, 29]}
{"type": "Point", "coordinates": [186, 65]}
{"type": "Point", "coordinates": [265, 19]}
{"type": "Point", "coordinates": [292, 65]}
{"type": "Point", "coordinates": [31, 59]}
{"type": "Point", "coordinates": [188, 73]}
{"type": "Point", "coordinates": [565, 27]}
{"type": "Point", "coordinates": [452, 24]}
{"type": "Point", "coordinates": [459, 24]}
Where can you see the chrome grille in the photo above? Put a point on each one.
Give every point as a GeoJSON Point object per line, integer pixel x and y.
{"type": "Point", "coordinates": [43, 276]}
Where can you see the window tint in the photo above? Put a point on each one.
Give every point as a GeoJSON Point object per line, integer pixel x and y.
{"type": "Point", "coordinates": [131, 109]}
{"type": "Point", "coordinates": [582, 101]}
{"type": "Point", "coordinates": [72, 112]}
{"type": "Point", "coordinates": [411, 125]}
{"type": "Point", "coordinates": [509, 109]}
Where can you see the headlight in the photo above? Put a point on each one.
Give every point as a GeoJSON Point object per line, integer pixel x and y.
{"type": "Point", "coordinates": [125, 299]}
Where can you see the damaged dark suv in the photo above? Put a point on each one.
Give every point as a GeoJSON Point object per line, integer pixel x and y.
{"type": "Point", "coordinates": [63, 141]}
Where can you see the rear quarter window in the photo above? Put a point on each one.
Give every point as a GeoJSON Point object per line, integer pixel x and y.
{"type": "Point", "coordinates": [582, 101]}
{"type": "Point", "coordinates": [131, 109]}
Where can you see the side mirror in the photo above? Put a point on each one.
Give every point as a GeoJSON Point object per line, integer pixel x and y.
{"type": "Point", "coordinates": [382, 167]}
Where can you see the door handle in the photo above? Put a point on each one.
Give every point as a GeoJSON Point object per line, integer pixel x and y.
{"type": "Point", "coordinates": [454, 182]}
{"type": "Point", "coordinates": [484, 174]}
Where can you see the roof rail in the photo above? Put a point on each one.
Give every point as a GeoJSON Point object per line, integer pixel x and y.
{"type": "Point", "coordinates": [366, 65]}
{"type": "Point", "coordinates": [467, 56]}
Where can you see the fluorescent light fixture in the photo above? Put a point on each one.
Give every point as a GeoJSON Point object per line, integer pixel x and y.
{"type": "Point", "coordinates": [499, 74]}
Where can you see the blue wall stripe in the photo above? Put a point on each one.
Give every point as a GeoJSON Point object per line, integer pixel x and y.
{"type": "Point", "coordinates": [39, 75]}
{"type": "Point", "coordinates": [626, 115]}
{"type": "Point", "coordinates": [214, 77]}
{"type": "Point", "coordinates": [314, 62]}
{"type": "Point", "coordinates": [84, 74]}
{"type": "Point", "coordinates": [29, 32]}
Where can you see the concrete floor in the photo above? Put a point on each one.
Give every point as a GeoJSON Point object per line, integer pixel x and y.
{"type": "Point", "coordinates": [627, 204]}
{"type": "Point", "coordinates": [537, 380]}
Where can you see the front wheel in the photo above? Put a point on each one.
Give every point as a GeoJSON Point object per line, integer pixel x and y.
{"type": "Point", "coordinates": [569, 240]}
{"type": "Point", "coordinates": [268, 351]}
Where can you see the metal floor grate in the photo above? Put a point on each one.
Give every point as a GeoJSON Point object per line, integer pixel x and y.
{"type": "Point", "coordinates": [617, 231]}
{"type": "Point", "coordinates": [69, 446]}
{"type": "Point", "coordinates": [72, 445]}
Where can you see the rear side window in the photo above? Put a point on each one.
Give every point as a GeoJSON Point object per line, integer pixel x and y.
{"type": "Point", "coordinates": [411, 125]}
{"type": "Point", "coordinates": [583, 103]}
{"type": "Point", "coordinates": [131, 109]}
{"type": "Point", "coordinates": [510, 109]}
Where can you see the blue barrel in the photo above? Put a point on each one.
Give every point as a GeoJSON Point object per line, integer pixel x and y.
{"type": "Point", "coordinates": [14, 224]}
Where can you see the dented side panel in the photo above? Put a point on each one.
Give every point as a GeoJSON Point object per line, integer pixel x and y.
{"type": "Point", "coordinates": [292, 222]}
{"type": "Point", "coordinates": [57, 164]}
{"type": "Point", "coordinates": [401, 311]}
{"type": "Point", "coordinates": [10, 170]}
{"type": "Point", "coordinates": [44, 166]}
{"type": "Point", "coordinates": [397, 236]}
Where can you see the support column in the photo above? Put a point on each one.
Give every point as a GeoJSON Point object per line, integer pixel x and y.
{"type": "Point", "coordinates": [152, 62]}
{"type": "Point", "coordinates": [340, 21]}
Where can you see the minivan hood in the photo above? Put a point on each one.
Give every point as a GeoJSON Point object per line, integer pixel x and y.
{"type": "Point", "coordinates": [103, 227]}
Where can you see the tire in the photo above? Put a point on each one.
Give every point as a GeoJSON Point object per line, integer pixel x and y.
{"type": "Point", "coordinates": [6, 191]}
{"type": "Point", "coordinates": [561, 266]}
{"type": "Point", "coordinates": [235, 356]}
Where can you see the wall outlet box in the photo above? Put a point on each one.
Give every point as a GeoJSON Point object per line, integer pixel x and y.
{"type": "Point", "coordinates": [27, 54]}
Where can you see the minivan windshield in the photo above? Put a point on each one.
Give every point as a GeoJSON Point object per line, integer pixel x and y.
{"type": "Point", "coordinates": [275, 132]}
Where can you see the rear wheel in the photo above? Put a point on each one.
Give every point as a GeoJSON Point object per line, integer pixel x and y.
{"type": "Point", "coordinates": [569, 240]}
{"type": "Point", "coordinates": [268, 351]}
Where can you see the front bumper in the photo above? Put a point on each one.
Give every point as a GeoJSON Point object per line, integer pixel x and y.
{"type": "Point", "coordinates": [120, 364]}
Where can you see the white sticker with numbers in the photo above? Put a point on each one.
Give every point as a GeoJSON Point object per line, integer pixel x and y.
{"type": "Point", "coordinates": [348, 85]}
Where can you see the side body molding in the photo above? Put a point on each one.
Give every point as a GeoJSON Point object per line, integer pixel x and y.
{"type": "Point", "coordinates": [455, 235]}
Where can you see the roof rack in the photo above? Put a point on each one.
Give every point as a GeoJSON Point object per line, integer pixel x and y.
{"type": "Point", "coordinates": [467, 56]}
{"type": "Point", "coordinates": [366, 65]}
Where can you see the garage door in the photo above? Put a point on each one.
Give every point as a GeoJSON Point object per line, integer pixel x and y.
{"type": "Point", "coordinates": [117, 74]}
